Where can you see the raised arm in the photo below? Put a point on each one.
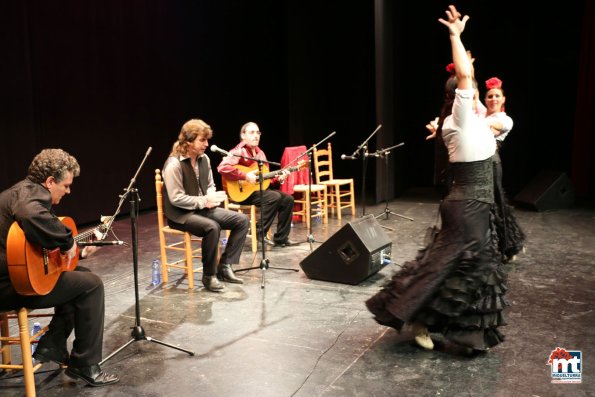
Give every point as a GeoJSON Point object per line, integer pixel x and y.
{"type": "Point", "coordinates": [462, 62]}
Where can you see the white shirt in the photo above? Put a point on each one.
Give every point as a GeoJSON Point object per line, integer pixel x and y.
{"type": "Point", "coordinates": [506, 122]}
{"type": "Point", "coordinates": [466, 134]}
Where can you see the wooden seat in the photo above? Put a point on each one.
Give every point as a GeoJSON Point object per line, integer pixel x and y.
{"type": "Point", "coordinates": [175, 241]}
{"type": "Point", "coordinates": [24, 340]}
{"type": "Point", "coordinates": [340, 191]}
{"type": "Point", "coordinates": [316, 199]}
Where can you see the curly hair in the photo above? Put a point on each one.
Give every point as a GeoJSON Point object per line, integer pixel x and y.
{"type": "Point", "coordinates": [190, 131]}
{"type": "Point", "coordinates": [52, 162]}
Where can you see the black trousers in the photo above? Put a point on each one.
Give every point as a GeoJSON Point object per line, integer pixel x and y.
{"type": "Point", "coordinates": [207, 224]}
{"type": "Point", "coordinates": [273, 204]}
{"type": "Point", "coordinates": [78, 300]}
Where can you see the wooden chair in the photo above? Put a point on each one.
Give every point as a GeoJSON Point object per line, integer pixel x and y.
{"type": "Point", "coordinates": [340, 191]}
{"type": "Point", "coordinates": [249, 210]}
{"type": "Point", "coordinates": [317, 199]}
{"type": "Point", "coordinates": [169, 240]}
{"type": "Point", "coordinates": [24, 340]}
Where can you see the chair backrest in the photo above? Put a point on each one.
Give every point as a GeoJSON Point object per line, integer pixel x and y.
{"type": "Point", "coordinates": [159, 192]}
{"type": "Point", "coordinates": [323, 164]}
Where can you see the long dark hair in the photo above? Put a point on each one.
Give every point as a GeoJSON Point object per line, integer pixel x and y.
{"type": "Point", "coordinates": [189, 132]}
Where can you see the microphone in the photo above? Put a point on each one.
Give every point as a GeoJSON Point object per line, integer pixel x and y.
{"type": "Point", "coordinates": [98, 243]}
{"type": "Point", "coordinates": [215, 148]}
{"type": "Point", "coordinates": [345, 157]}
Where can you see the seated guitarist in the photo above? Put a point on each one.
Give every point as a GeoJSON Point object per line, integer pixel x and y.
{"type": "Point", "coordinates": [78, 296]}
{"type": "Point", "coordinates": [274, 203]}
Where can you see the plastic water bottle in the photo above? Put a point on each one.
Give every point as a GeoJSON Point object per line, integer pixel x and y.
{"type": "Point", "coordinates": [156, 272]}
{"type": "Point", "coordinates": [318, 214]}
{"type": "Point", "coordinates": [36, 329]}
{"type": "Point", "coordinates": [384, 258]}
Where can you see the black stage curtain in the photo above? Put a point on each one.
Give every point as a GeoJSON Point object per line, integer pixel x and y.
{"type": "Point", "coordinates": [107, 79]}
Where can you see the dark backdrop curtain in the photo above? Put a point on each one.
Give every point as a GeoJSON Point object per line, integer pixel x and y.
{"type": "Point", "coordinates": [107, 79]}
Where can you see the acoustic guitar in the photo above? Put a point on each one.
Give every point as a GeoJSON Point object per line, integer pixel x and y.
{"type": "Point", "coordinates": [239, 191]}
{"type": "Point", "coordinates": [34, 270]}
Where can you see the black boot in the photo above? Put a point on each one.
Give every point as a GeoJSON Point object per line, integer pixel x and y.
{"type": "Point", "coordinates": [93, 375]}
{"type": "Point", "coordinates": [212, 284]}
{"type": "Point", "coordinates": [225, 273]}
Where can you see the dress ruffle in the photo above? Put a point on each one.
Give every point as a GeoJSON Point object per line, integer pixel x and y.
{"type": "Point", "coordinates": [511, 236]}
{"type": "Point", "coordinates": [454, 288]}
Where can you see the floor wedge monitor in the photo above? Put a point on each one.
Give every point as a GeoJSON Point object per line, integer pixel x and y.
{"type": "Point", "coordinates": [549, 190]}
{"type": "Point", "coordinates": [351, 255]}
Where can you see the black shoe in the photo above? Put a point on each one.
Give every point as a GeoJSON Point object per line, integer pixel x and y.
{"type": "Point", "coordinates": [212, 283]}
{"type": "Point", "coordinates": [286, 243]}
{"type": "Point", "coordinates": [93, 375]}
{"type": "Point", "coordinates": [45, 354]}
{"type": "Point", "coordinates": [225, 273]}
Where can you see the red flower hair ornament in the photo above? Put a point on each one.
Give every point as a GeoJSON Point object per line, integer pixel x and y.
{"type": "Point", "coordinates": [494, 82]}
{"type": "Point", "coordinates": [450, 68]}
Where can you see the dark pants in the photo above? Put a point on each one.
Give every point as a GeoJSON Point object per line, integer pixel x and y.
{"type": "Point", "coordinates": [207, 224]}
{"type": "Point", "coordinates": [273, 203]}
{"type": "Point", "coordinates": [79, 304]}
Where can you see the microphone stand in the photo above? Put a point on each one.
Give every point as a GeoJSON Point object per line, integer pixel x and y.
{"type": "Point", "coordinates": [364, 147]}
{"type": "Point", "coordinates": [264, 263]}
{"type": "Point", "coordinates": [383, 153]}
{"type": "Point", "coordinates": [310, 238]}
{"type": "Point", "coordinates": [138, 332]}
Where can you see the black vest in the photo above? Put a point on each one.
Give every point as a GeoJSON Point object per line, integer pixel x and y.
{"type": "Point", "coordinates": [191, 187]}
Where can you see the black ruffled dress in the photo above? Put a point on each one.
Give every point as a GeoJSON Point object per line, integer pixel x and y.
{"type": "Point", "coordinates": [456, 285]}
{"type": "Point", "coordinates": [510, 234]}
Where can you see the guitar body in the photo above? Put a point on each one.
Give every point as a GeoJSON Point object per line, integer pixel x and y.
{"type": "Point", "coordinates": [239, 191]}
{"type": "Point", "coordinates": [34, 270]}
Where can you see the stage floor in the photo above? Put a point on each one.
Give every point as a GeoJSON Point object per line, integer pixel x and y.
{"type": "Point", "coordinates": [303, 337]}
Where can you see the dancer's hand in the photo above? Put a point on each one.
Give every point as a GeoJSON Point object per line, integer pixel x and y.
{"type": "Point", "coordinates": [455, 24]}
{"type": "Point", "coordinates": [432, 126]}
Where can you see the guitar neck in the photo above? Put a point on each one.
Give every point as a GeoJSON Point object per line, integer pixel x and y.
{"type": "Point", "coordinates": [273, 174]}
{"type": "Point", "coordinates": [84, 236]}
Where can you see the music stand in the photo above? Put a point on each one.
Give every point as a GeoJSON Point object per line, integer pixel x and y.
{"type": "Point", "coordinates": [265, 262]}
{"type": "Point", "coordinates": [310, 238]}
{"type": "Point", "coordinates": [383, 153]}
{"type": "Point", "coordinates": [138, 332]}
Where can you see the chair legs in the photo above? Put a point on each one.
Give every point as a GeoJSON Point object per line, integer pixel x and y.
{"type": "Point", "coordinates": [244, 208]}
{"type": "Point", "coordinates": [337, 199]}
{"type": "Point", "coordinates": [24, 341]}
{"type": "Point", "coordinates": [319, 198]}
{"type": "Point", "coordinates": [189, 254]}
{"type": "Point", "coordinates": [26, 352]}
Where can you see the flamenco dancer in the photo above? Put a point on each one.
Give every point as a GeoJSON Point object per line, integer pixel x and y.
{"type": "Point", "coordinates": [510, 234]}
{"type": "Point", "coordinates": [456, 284]}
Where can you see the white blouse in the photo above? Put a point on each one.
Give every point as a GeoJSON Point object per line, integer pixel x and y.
{"type": "Point", "coordinates": [506, 122]}
{"type": "Point", "coordinates": [466, 134]}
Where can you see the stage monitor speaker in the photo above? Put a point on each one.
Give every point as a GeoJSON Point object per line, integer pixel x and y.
{"type": "Point", "coordinates": [547, 191]}
{"type": "Point", "coordinates": [351, 255]}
